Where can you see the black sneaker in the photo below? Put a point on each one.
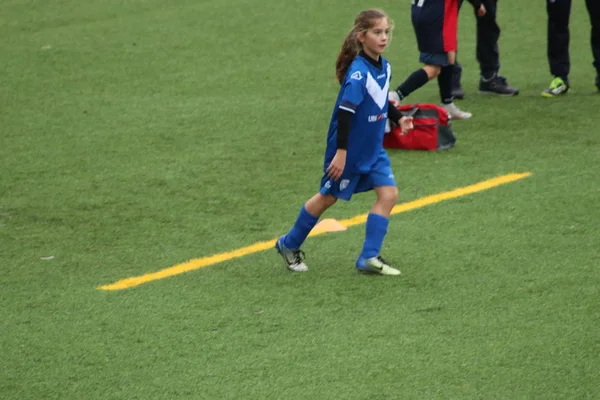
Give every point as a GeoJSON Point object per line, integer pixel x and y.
{"type": "Point", "coordinates": [497, 86]}
{"type": "Point", "coordinates": [458, 93]}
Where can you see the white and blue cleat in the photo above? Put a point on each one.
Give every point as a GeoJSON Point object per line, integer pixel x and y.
{"type": "Point", "coordinates": [376, 265]}
{"type": "Point", "coordinates": [293, 258]}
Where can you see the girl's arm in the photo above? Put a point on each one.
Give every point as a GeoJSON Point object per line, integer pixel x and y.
{"type": "Point", "coordinates": [336, 167]}
{"type": "Point", "coordinates": [344, 119]}
{"type": "Point", "coordinates": [394, 114]}
{"type": "Point", "coordinates": [404, 122]}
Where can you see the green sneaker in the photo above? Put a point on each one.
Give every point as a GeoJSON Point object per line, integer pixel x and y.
{"type": "Point", "coordinates": [557, 88]}
{"type": "Point", "coordinates": [375, 265]}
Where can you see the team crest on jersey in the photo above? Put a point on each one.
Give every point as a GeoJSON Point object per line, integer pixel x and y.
{"type": "Point", "coordinates": [357, 75]}
{"type": "Point", "coordinates": [344, 184]}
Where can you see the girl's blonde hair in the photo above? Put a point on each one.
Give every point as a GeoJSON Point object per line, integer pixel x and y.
{"type": "Point", "coordinates": [352, 46]}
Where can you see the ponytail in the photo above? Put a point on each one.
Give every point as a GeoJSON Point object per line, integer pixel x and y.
{"type": "Point", "coordinates": [350, 49]}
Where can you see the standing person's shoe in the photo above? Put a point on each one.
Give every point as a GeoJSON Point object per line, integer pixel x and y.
{"type": "Point", "coordinates": [558, 87]}
{"type": "Point", "coordinates": [456, 113]}
{"type": "Point", "coordinates": [598, 82]}
{"type": "Point", "coordinates": [497, 86]}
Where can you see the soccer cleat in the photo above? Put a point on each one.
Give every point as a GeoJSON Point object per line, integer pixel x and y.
{"type": "Point", "coordinates": [458, 93]}
{"type": "Point", "coordinates": [375, 265]}
{"type": "Point", "coordinates": [456, 113]}
{"type": "Point", "coordinates": [558, 87]}
{"type": "Point", "coordinates": [498, 86]}
{"type": "Point", "coordinates": [598, 82]}
{"type": "Point", "coordinates": [294, 259]}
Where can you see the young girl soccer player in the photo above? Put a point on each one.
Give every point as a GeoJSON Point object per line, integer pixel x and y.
{"type": "Point", "coordinates": [436, 23]}
{"type": "Point", "coordinates": [355, 160]}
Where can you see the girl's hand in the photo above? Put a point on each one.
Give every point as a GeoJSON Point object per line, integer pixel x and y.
{"type": "Point", "coordinates": [406, 124]}
{"type": "Point", "coordinates": [336, 168]}
{"type": "Point", "coordinates": [481, 12]}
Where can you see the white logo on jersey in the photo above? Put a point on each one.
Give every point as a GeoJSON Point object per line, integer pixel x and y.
{"type": "Point", "coordinates": [379, 94]}
{"type": "Point", "coordinates": [344, 184]}
{"type": "Point", "coordinates": [327, 184]}
{"type": "Point", "coordinates": [375, 118]}
{"type": "Point", "coordinates": [356, 76]}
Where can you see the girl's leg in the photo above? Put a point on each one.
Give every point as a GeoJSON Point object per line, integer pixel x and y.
{"type": "Point", "coordinates": [452, 57]}
{"type": "Point", "coordinates": [378, 220]}
{"type": "Point", "coordinates": [445, 85]}
{"type": "Point", "coordinates": [445, 79]}
{"type": "Point", "coordinates": [288, 246]}
{"type": "Point", "coordinates": [377, 224]}
{"type": "Point", "coordinates": [417, 79]}
{"type": "Point", "coordinates": [307, 218]}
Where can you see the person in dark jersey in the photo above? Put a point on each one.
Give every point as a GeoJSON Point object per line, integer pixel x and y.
{"type": "Point", "coordinates": [435, 23]}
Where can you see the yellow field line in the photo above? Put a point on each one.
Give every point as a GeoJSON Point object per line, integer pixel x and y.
{"type": "Point", "coordinates": [198, 263]}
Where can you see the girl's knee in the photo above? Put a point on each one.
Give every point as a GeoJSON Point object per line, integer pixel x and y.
{"type": "Point", "coordinates": [432, 70]}
{"type": "Point", "coordinates": [319, 203]}
{"type": "Point", "coordinates": [451, 57]}
{"type": "Point", "coordinates": [389, 195]}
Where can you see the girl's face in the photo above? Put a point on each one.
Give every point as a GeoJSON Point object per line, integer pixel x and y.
{"type": "Point", "coordinates": [376, 38]}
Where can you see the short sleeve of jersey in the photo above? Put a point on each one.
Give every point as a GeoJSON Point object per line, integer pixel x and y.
{"type": "Point", "coordinates": [353, 90]}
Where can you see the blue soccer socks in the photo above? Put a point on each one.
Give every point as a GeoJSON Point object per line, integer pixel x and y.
{"type": "Point", "coordinates": [297, 235]}
{"type": "Point", "coordinates": [377, 226]}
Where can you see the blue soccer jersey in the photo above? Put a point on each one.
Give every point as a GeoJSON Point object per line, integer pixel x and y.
{"type": "Point", "coordinates": [364, 93]}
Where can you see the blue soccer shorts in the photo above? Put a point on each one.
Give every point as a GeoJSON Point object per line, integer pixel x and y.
{"type": "Point", "coordinates": [380, 175]}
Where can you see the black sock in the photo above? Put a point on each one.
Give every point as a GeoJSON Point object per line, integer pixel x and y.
{"type": "Point", "coordinates": [445, 84]}
{"type": "Point", "coordinates": [456, 76]}
{"type": "Point", "coordinates": [488, 76]}
{"type": "Point", "coordinates": [412, 83]}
